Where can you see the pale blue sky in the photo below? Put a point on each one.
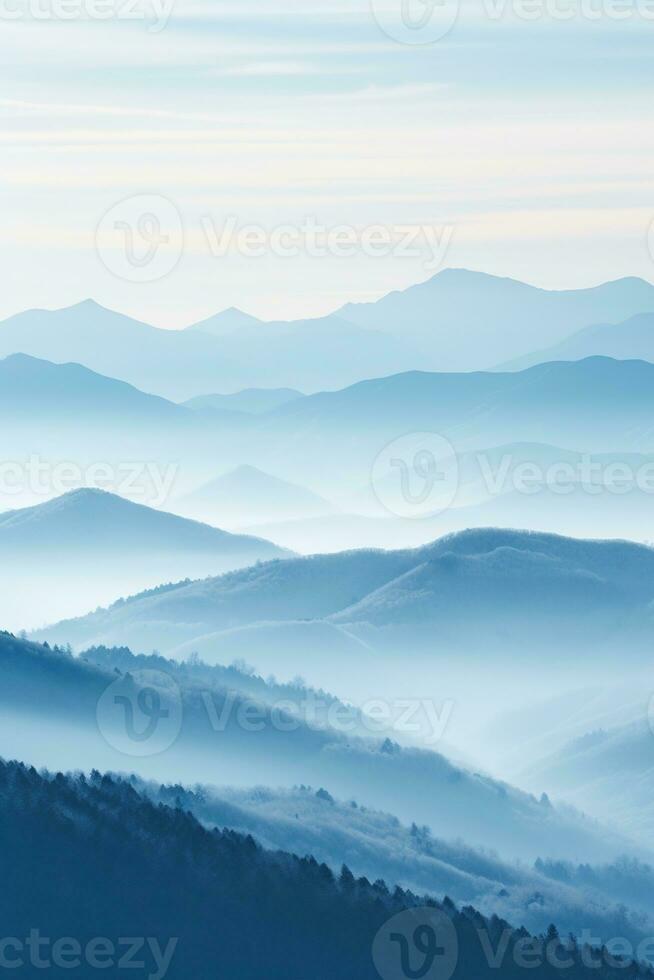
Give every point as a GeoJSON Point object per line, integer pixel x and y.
{"type": "Point", "coordinates": [531, 140]}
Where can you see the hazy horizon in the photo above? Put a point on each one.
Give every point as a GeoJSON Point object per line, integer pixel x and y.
{"type": "Point", "coordinates": [242, 306]}
{"type": "Point", "coordinates": [267, 117]}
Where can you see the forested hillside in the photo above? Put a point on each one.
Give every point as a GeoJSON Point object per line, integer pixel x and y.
{"type": "Point", "coordinates": [90, 857]}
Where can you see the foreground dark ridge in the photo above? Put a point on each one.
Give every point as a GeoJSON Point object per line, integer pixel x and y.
{"type": "Point", "coordinates": [90, 857]}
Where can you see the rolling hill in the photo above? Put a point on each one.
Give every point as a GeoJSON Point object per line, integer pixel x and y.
{"type": "Point", "coordinates": [482, 593]}
{"type": "Point", "coordinates": [56, 711]}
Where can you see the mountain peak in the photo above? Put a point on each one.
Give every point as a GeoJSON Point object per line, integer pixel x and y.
{"type": "Point", "coordinates": [81, 499]}
{"type": "Point", "coordinates": [235, 311]}
{"type": "Point", "coordinates": [88, 307]}
{"type": "Point", "coordinates": [126, 523]}
{"type": "Point", "coordinates": [246, 496]}
{"type": "Point", "coordinates": [89, 303]}
{"type": "Point", "coordinates": [226, 322]}
{"type": "Point", "coordinates": [87, 493]}
{"type": "Point", "coordinates": [19, 358]}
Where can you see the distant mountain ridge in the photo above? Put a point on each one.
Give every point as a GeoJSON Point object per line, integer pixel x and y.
{"type": "Point", "coordinates": [631, 340]}
{"type": "Point", "coordinates": [30, 386]}
{"type": "Point", "coordinates": [112, 344]}
{"type": "Point", "coordinates": [182, 364]}
{"type": "Point", "coordinates": [597, 405]}
{"type": "Point", "coordinates": [253, 401]}
{"type": "Point", "coordinates": [465, 321]}
{"type": "Point", "coordinates": [456, 321]}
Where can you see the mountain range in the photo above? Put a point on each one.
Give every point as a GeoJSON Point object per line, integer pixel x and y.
{"type": "Point", "coordinates": [558, 403]}
{"type": "Point", "coordinates": [183, 364]}
{"type": "Point", "coordinates": [321, 494]}
{"type": "Point", "coordinates": [456, 321]}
